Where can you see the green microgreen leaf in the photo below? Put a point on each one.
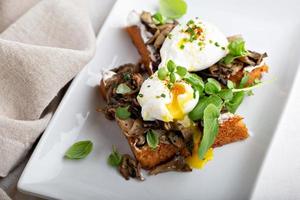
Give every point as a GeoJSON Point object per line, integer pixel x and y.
{"type": "Point", "coordinates": [212, 86]}
{"type": "Point", "coordinates": [171, 66]}
{"type": "Point", "coordinates": [152, 139]}
{"type": "Point", "coordinates": [226, 94]}
{"type": "Point", "coordinates": [244, 80]}
{"type": "Point", "coordinates": [123, 113]}
{"type": "Point", "coordinates": [158, 18]}
{"type": "Point", "coordinates": [172, 77]}
{"type": "Point", "coordinates": [230, 84]}
{"type": "Point", "coordinates": [196, 82]}
{"type": "Point", "coordinates": [236, 49]}
{"type": "Point", "coordinates": [123, 89]}
{"type": "Point", "coordinates": [172, 9]}
{"type": "Point", "coordinates": [181, 71]}
{"type": "Point", "coordinates": [79, 150]}
{"type": "Point", "coordinates": [235, 102]}
{"type": "Point", "coordinates": [198, 111]}
{"type": "Point", "coordinates": [162, 73]}
{"type": "Point", "coordinates": [210, 130]}
{"type": "Point", "coordinates": [115, 158]}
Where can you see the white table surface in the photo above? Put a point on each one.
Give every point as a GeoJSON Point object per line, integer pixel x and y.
{"type": "Point", "coordinates": [280, 174]}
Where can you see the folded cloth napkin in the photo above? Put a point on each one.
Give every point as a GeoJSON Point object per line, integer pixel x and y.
{"type": "Point", "coordinates": [43, 45]}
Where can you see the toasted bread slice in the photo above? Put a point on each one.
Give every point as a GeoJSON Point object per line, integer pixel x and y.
{"type": "Point", "coordinates": [150, 158]}
{"type": "Point", "coordinates": [231, 130]}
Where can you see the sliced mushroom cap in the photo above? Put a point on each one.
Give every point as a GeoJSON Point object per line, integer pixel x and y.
{"type": "Point", "coordinates": [131, 127]}
{"type": "Point", "coordinates": [176, 164]}
{"type": "Point", "coordinates": [129, 167]}
{"type": "Point", "coordinates": [140, 141]}
{"type": "Point", "coordinates": [125, 125]}
{"type": "Point", "coordinates": [176, 140]}
{"type": "Point", "coordinates": [146, 17]}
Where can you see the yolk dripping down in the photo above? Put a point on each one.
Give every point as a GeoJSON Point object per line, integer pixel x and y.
{"type": "Point", "coordinates": [174, 107]}
{"type": "Point", "coordinates": [194, 161]}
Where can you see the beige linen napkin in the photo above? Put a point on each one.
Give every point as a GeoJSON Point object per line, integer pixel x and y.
{"type": "Point", "coordinates": [43, 45]}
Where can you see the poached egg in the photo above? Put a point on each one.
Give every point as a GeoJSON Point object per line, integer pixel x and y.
{"type": "Point", "coordinates": [159, 101]}
{"type": "Point", "coordinates": [195, 45]}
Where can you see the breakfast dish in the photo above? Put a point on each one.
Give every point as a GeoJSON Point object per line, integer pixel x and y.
{"type": "Point", "coordinates": [179, 101]}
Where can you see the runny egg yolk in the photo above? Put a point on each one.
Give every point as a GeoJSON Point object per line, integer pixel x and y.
{"type": "Point", "coordinates": [194, 161]}
{"type": "Point", "coordinates": [176, 107]}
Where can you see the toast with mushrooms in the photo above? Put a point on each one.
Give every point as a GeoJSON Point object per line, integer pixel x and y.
{"type": "Point", "coordinates": [174, 139]}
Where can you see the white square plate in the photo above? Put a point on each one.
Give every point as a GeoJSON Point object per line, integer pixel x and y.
{"type": "Point", "coordinates": [265, 25]}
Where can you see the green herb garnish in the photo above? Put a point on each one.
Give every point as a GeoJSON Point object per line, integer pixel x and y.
{"type": "Point", "coordinates": [211, 129]}
{"type": "Point", "coordinates": [244, 80]}
{"type": "Point", "coordinates": [172, 9]}
{"type": "Point", "coordinates": [198, 112]}
{"type": "Point", "coordinates": [212, 86]}
{"type": "Point", "coordinates": [172, 77]}
{"type": "Point", "coordinates": [236, 49]}
{"type": "Point", "coordinates": [158, 18]}
{"type": "Point", "coordinates": [181, 71]}
{"type": "Point", "coordinates": [79, 150]}
{"type": "Point", "coordinates": [230, 84]}
{"type": "Point", "coordinates": [162, 73]}
{"type": "Point", "coordinates": [126, 76]}
{"type": "Point", "coordinates": [235, 102]}
{"type": "Point", "coordinates": [115, 158]}
{"type": "Point", "coordinates": [123, 89]}
{"type": "Point", "coordinates": [123, 113]}
{"type": "Point", "coordinates": [152, 139]}
{"type": "Point", "coordinates": [171, 66]}
{"type": "Point", "coordinates": [226, 94]}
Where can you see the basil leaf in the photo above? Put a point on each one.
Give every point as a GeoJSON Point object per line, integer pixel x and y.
{"type": "Point", "coordinates": [198, 111]}
{"type": "Point", "coordinates": [181, 71]}
{"type": "Point", "coordinates": [230, 84]}
{"type": "Point", "coordinates": [158, 18]}
{"type": "Point", "coordinates": [162, 73]}
{"type": "Point", "coordinates": [152, 139]}
{"type": "Point", "coordinates": [115, 158]}
{"type": "Point", "coordinates": [123, 113]}
{"type": "Point", "coordinates": [226, 94]}
{"type": "Point", "coordinates": [172, 9]}
{"type": "Point", "coordinates": [79, 150]}
{"type": "Point", "coordinates": [235, 102]}
{"type": "Point", "coordinates": [123, 89]}
{"type": "Point", "coordinates": [171, 66]}
{"type": "Point", "coordinates": [210, 130]}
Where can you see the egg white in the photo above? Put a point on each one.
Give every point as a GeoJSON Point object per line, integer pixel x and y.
{"type": "Point", "coordinates": [192, 56]}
